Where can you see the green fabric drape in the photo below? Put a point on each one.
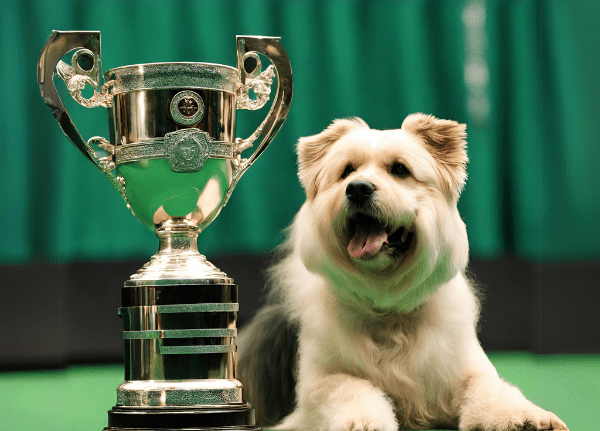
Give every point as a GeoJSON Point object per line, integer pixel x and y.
{"type": "Point", "coordinates": [523, 75]}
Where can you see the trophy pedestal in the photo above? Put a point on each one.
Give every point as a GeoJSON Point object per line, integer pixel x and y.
{"type": "Point", "coordinates": [179, 339]}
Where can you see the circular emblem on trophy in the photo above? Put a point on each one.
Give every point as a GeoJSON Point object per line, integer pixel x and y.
{"type": "Point", "coordinates": [187, 108]}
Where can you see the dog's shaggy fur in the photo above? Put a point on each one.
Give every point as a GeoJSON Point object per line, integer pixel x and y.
{"type": "Point", "coordinates": [370, 309]}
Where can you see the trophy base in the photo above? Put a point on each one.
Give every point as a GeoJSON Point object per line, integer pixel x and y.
{"type": "Point", "coordinates": [179, 314]}
{"type": "Point", "coordinates": [213, 418]}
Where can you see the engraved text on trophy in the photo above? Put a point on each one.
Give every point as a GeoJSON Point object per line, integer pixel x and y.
{"type": "Point", "coordinates": [188, 106]}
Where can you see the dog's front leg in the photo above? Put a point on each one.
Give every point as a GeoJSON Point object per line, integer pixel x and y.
{"type": "Point", "coordinates": [341, 402]}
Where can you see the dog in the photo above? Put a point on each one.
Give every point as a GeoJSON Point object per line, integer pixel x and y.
{"type": "Point", "coordinates": [370, 323]}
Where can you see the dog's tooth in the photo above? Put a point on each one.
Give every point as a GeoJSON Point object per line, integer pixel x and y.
{"type": "Point", "coordinates": [404, 235]}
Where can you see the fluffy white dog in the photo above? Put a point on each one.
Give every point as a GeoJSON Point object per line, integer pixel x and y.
{"type": "Point", "coordinates": [372, 288]}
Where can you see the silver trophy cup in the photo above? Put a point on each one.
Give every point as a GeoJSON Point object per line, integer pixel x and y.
{"type": "Point", "coordinates": [173, 157]}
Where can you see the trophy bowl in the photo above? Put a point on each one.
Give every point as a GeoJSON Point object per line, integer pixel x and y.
{"type": "Point", "coordinates": [173, 157]}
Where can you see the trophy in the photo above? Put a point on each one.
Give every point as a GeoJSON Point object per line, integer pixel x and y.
{"type": "Point", "coordinates": [173, 157]}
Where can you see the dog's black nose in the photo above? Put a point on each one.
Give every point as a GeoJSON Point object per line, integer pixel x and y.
{"type": "Point", "coordinates": [359, 192]}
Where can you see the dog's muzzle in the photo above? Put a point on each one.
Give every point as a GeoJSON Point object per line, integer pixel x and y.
{"type": "Point", "coordinates": [368, 231]}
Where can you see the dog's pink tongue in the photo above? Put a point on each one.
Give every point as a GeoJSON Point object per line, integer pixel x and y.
{"type": "Point", "coordinates": [365, 244]}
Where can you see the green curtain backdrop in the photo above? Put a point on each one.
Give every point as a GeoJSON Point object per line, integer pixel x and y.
{"type": "Point", "coordinates": [524, 75]}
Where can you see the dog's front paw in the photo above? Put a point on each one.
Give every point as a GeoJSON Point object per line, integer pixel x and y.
{"type": "Point", "coordinates": [369, 411]}
{"type": "Point", "coordinates": [363, 419]}
{"type": "Point", "coordinates": [530, 418]}
{"type": "Point", "coordinates": [495, 405]}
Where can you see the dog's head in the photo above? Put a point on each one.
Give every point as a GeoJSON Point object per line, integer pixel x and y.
{"type": "Point", "coordinates": [381, 204]}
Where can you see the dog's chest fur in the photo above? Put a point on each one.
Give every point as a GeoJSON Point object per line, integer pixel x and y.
{"type": "Point", "coordinates": [404, 356]}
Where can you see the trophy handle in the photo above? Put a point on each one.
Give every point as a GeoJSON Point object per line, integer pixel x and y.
{"type": "Point", "coordinates": [85, 70]}
{"type": "Point", "coordinates": [249, 66]}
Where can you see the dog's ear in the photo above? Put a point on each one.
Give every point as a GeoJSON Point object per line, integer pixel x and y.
{"type": "Point", "coordinates": [311, 149]}
{"type": "Point", "coordinates": [446, 142]}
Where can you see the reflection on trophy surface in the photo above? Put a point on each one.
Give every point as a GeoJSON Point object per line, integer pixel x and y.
{"type": "Point", "coordinates": [174, 158]}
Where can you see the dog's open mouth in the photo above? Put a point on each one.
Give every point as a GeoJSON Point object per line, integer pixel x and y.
{"type": "Point", "coordinates": [368, 236]}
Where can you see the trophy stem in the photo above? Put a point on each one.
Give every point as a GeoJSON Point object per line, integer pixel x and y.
{"type": "Point", "coordinates": [180, 242]}
{"type": "Point", "coordinates": [178, 258]}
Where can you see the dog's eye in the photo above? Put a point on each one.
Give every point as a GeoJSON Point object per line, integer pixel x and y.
{"type": "Point", "coordinates": [349, 169]}
{"type": "Point", "coordinates": [400, 170]}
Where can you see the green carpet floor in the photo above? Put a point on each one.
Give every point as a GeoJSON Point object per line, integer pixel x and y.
{"type": "Point", "coordinates": [77, 398]}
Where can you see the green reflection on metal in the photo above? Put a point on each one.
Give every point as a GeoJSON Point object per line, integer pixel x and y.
{"type": "Point", "coordinates": [151, 184]}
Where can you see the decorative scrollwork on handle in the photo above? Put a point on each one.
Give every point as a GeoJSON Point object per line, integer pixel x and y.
{"type": "Point", "coordinates": [103, 163]}
{"type": "Point", "coordinates": [261, 85]}
{"type": "Point", "coordinates": [107, 164]}
{"type": "Point", "coordinates": [242, 145]}
{"type": "Point", "coordinates": [76, 78]}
